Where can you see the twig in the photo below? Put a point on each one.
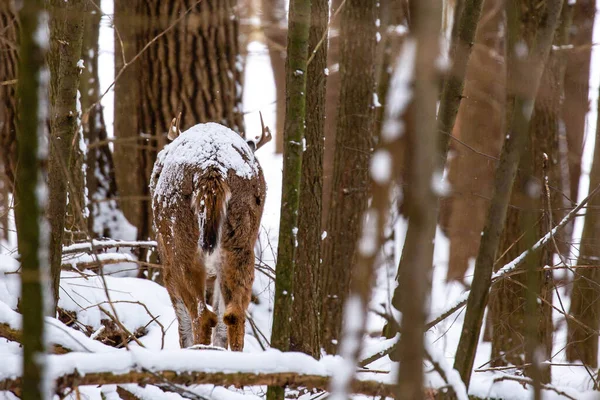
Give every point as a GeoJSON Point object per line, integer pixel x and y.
{"type": "Point", "coordinates": [152, 317]}
{"type": "Point", "coordinates": [322, 40]}
{"type": "Point", "coordinates": [124, 331]}
{"type": "Point", "coordinates": [528, 381]}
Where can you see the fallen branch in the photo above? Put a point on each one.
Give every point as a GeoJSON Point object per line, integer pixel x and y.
{"type": "Point", "coordinates": [81, 265]}
{"type": "Point", "coordinates": [190, 367]}
{"type": "Point", "coordinates": [101, 245]}
{"type": "Point", "coordinates": [527, 381]}
{"type": "Point", "coordinates": [291, 380]}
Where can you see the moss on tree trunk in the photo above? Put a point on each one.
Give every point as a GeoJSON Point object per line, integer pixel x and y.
{"type": "Point", "coordinates": [305, 325]}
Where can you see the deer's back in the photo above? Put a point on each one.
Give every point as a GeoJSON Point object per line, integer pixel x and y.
{"type": "Point", "coordinates": [209, 149]}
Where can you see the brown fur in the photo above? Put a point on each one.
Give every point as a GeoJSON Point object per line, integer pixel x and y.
{"type": "Point", "coordinates": [233, 208]}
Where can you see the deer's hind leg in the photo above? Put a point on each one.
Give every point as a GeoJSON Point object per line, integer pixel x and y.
{"type": "Point", "coordinates": [191, 284]}
{"type": "Point", "coordinates": [237, 275]}
{"type": "Point", "coordinates": [186, 337]}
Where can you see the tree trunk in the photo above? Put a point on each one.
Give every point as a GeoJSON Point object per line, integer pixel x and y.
{"type": "Point", "coordinates": [479, 124]}
{"type": "Point", "coordinates": [8, 109]}
{"type": "Point", "coordinates": [305, 326]}
{"type": "Point", "coordinates": [581, 344]}
{"type": "Point", "coordinates": [66, 33]}
{"type": "Point", "coordinates": [127, 153]}
{"type": "Point", "coordinates": [33, 232]}
{"type": "Point", "coordinates": [519, 325]}
{"type": "Point", "coordinates": [295, 125]}
{"type": "Point", "coordinates": [275, 30]}
{"type": "Point", "coordinates": [577, 75]}
{"type": "Point", "coordinates": [194, 69]}
{"type": "Point", "coordinates": [523, 81]}
{"type": "Point", "coordinates": [420, 198]}
{"type": "Point", "coordinates": [351, 162]}
{"type": "Point", "coordinates": [100, 174]}
{"type": "Point", "coordinates": [332, 100]}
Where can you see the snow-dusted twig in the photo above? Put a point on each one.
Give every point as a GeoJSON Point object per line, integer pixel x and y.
{"type": "Point", "coordinates": [100, 245]}
{"type": "Point", "coordinates": [528, 381]}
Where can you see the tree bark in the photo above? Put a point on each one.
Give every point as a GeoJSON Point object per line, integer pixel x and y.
{"type": "Point", "coordinates": [99, 168]}
{"type": "Point", "coordinates": [581, 345]}
{"type": "Point", "coordinates": [332, 100]}
{"type": "Point", "coordinates": [306, 325]}
{"type": "Point", "coordinates": [32, 235]}
{"type": "Point", "coordinates": [8, 109]}
{"type": "Point", "coordinates": [66, 33]}
{"type": "Point", "coordinates": [479, 124]}
{"type": "Point", "coordinates": [420, 198]}
{"type": "Point", "coordinates": [577, 75]}
{"type": "Point", "coordinates": [275, 30]}
{"type": "Point", "coordinates": [194, 69]}
{"type": "Point", "coordinates": [351, 162]}
{"type": "Point", "coordinates": [523, 81]}
{"type": "Point", "coordinates": [296, 70]}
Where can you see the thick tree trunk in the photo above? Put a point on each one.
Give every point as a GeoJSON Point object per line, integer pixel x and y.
{"type": "Point", "coordinates": [306, 324]}
{"type": "Point", "coordinates": [66, 33]}
{"type": "Point", "coordinates": [479, 124]}
{"type": "Point", "coordinates": [100, 174]}
{"type": "Point", "coordinates": [33, 232]}
{"type": "Point", "coordinates": [420, 198]}
{"type": "Point", "coordinates": [8, 109]}
{"type": "Point", "coordinates": [581, 344]}
{"type": "Point", "coordinates": [295, 126]}
{"type": "Point", "coordinates": [523, 82]}
{"type": "Point", "coordinates": [351, 162]}
{"type": "Point", "coordinates": [275, 30]}
{"type": "Point", "coordinates": [194, 69]}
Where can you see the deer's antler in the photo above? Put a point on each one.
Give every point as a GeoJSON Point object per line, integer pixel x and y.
{"type": "Point", "coordinates": [265, 136]}
{"type": "Point", "coordinates": [174, 130]}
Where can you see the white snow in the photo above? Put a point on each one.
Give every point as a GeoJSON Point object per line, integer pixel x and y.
{"type": "Point", "coordinates": [400, 92]}
{"type": "Point", "coordinates": [381, 166]}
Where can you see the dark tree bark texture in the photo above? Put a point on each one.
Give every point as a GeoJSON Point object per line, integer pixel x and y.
{"type": "Point", "coordinates": [9, 29]}
{"type": "Point", "coordinates": [66, 33]}
{"type": "Point", "coordinates": [354, 135]}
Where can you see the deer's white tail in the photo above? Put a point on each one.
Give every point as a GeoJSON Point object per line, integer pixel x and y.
{"type": "Point", "coordinates": [209, 200]}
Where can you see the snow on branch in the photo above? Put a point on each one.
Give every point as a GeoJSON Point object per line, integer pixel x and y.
{"type": "Point", "coordinates": [190, 367]}
{"type": "Point", "coordinates": [100, 245]}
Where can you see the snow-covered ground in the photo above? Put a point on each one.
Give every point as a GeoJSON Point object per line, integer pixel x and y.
{"type": "Point", "coordinates": [144, 306]}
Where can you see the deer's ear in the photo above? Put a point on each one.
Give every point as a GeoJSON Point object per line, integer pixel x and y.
{"type": "Point", "coordinates": [174, 130]}
{"type": "Point", "coordinates": [173, 133]}
{"type": "Point", "coordinates": [252, 145]}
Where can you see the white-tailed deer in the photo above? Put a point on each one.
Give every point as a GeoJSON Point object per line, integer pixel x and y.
{"type": "Point", "coordinates": [208, 194]}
